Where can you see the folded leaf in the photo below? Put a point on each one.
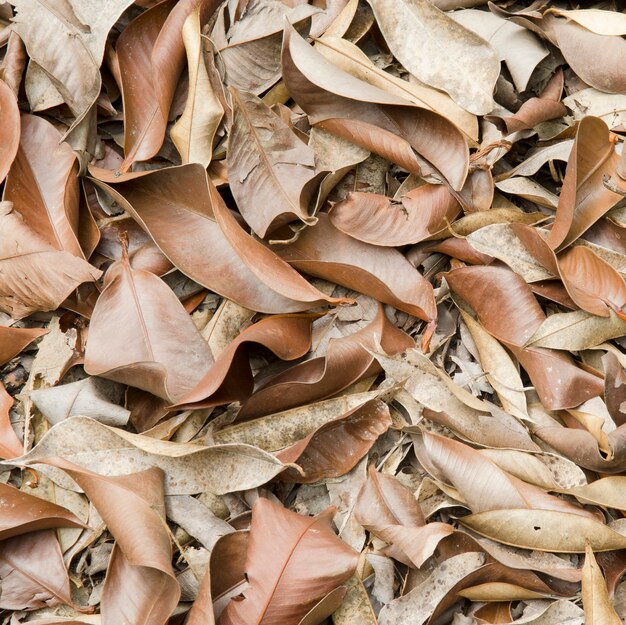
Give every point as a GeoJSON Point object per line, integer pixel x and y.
{"type": "Point", "coordinates": [10, 128]}
{"type": "Point", "coordinates": [372, 118]}
{"type": "Point", "coordinates": [381, 273]}
{"type": "Point", "coordinates": [36, 276]}
{"type": "Point", "coordinates": [66, 38]}
{"type": "Point", "coordinates": [221, 256]}
{"type": "Point", "coordinates": [468, 69]}
{"type": "Point", "coordinates": [230, 377]}
{"type": "Point", "coordinates": [337, 446]}
{"type": "Point", "coordinates": [598, 607]}
{"type": "Point", "coordinates": [141, 335]}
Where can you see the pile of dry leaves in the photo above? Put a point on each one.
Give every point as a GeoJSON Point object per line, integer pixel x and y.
{"type": "Point", "coordinates": [312, 312]}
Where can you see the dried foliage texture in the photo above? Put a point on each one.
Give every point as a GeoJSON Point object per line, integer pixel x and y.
{"type": "Point", "coordinates": [312, 312]}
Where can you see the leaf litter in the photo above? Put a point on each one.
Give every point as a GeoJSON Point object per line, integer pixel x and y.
{"type": "Point", "coordinates": [312, 312]}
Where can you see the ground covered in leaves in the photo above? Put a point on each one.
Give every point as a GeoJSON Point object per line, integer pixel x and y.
{"type": "Point", "coordinates": [312, 312]}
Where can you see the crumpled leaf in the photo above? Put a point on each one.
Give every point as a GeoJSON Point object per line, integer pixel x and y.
{"type": "Point", "coordinates": [271, 172]}
{"type": "Point", "coordinates": [36, 276]}
{"type": "Point", "coordinates": [222, 257]}
{"type": "Point", "coordinates": [347, 360]}
{"type": "Point", "coordinates": [440, 52]}
{"type": "Point", "coordinates": [508, 310]}
{"type": "Point", "coordinates": [141, 335]}
{"type": "Point", "coordinates": [379, 220]}
{"type": "Point", "coordinates": [308, 561]}
{"type": "Point", "coordinates": [584, 198]}
{"type": "Point", "coordinates": [389, 510]}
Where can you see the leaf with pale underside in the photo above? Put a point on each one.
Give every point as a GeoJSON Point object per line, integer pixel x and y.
{"type": "Point", "coordinates": [194, 132]}
{"type": "Point", "coordinates": [66, 38]}
{"type": "Point", "coordinates": [111, 451]}
{"type": "Point", "coordinates": [518, 47]}
{"type": "Point", "coordinates": [440, 52]}
{"type": "Point", "coordinates": [271, 171]}
{"type": "Point", "coordinates": [596, 601]}
{"type": "Point", "coordinates": [544, 530]}
{"type": "Point", "coordinates": [36, 276]}
{"type": "Point", "coordinates": [386, 124]}
{"type": "Point", "coordinates": [352, 59]}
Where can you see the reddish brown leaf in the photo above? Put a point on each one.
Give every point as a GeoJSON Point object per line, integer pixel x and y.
{"type": "Point", "coordinates": [36, 276]}
{"type": "Point", "coordinates": [10, 128]}
{"type": "Point", "coordinates": [230, 377]}
{"type": "Point", "coordinates": [347, 360]}
{"type": "Point", "coordinates": [378, 220]}
{"type": "Point", "coordinates": [337, 446]}
{"type": "Point", "coordinates": [508, 310]}
{"type": "Point", "coordinates": [141, 335]}
{"type": "Point", "coordinates": [221, 255]}
{"type": "Point", "coordinates": [292, 563]}
{"type": "Point", "coordinates": [381, 273]}
{"type": "Point", "coordinates": [14, 340]}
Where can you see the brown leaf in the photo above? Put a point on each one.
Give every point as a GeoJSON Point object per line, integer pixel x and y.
{"type": "Point", "coordinates": [384, 274]}
{"type": "Point", "coordinates": [66, 38]}
{"type": "Point", "coordinates": [378, 121]}
{"type": "Point", "coordinates": [379, 220]}
{"type": "Point", "coordinates": [32, 572]}
{"type": "Point", "coordinates": [36, 276]}
{"type": "Point", "coordinates": [337, 446]}
{"type": "Point", "coordinates": [271, 172]}
{"type": "Point", "coordinates": [151, 56]}
{"type": "Point", "coordinates": [10, 129]}
{"type": "Point", "coordinates": [347, 360]}
{"type": "Point", "coordinates": [307, 561]}
{"type": "Point", "coordinates": [230, 377]}
{"type": "Point", "coordinates": [508, 310]}
{"type": "Point", "coordinates": [388, 509]}
{"type": "Point", "coordinates": [14, 340]}
{"type": "Point", "coordinates": [44, 187]}
{"type": "Point", "coordinates": [535, 110]}
{"type": "Point", "coordinates": [140, 585]}
{"type": "Point", "coordinates": [584, 198]}
{"type": "Point", "coordinates": [22, 513]}
{"type": "Point", "coordinates": [221, 256]}
{"type": "Point", "coordinates": [141, 335]}
{"type": "Point", "coordinates": [10, 444]}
